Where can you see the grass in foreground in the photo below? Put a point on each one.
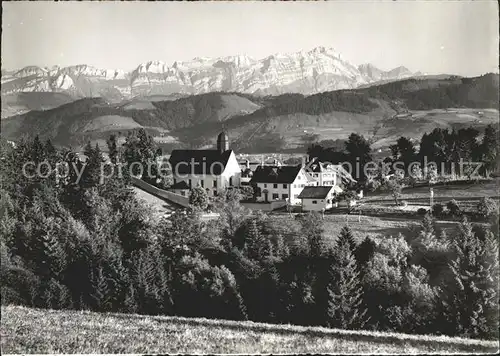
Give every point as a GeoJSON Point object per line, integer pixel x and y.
{"type": "Point", "coordinates": [26, 330]}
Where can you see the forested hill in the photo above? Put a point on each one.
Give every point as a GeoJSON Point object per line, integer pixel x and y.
{"type": "Point", "coordinates": [193, 121]}
{"type": "Point", "coordinates": [452, 92]}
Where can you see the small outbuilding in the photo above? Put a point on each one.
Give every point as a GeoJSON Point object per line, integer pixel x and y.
{"type": "Point", "coordinates": [319, 198]}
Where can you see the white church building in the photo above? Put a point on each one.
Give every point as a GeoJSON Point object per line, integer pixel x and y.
{"type": "Point", "coordinates": [212, 170]}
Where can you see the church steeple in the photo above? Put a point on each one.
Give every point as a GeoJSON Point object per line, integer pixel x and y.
{"type": "Point", "coordinates": [222, 141]}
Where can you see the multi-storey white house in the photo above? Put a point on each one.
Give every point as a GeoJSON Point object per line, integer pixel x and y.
{"type": "Point", "coordinates": [281, 183]}
{"type": "Point", "coordinates": [212, 170]}
{"type": "Point", "coordinates": [327, 174]}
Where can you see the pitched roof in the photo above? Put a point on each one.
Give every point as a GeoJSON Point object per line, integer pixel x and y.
{"type": "Point", "coordinates": [317, 166]}
{"type": "Point", "coordinates": [209, 162]}
{"type": "Point", "coordinates": [275, 174]}
{"type": "Point", "coordinates": [315, 192]}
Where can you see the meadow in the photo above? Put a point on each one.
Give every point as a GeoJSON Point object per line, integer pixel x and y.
{"type": "Point", "coordinates": [26, 330]}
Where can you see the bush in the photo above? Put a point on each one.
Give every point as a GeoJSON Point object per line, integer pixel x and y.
{"type": "Point", "coordinates": [437, 209]}
{"type": "Point", "coordinates": [373, 185]}
{"type": "Point", "coordinates": [487, 207]}
{"type": "Point", "coordinates": [422, 211]}
{"type": "Point", "coordinates": [404, 203]}
{"type": "Point", "coordinates": [454, 208]}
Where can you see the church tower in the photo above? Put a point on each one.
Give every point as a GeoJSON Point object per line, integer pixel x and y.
{"type": "Point", "coordinates": [222, 142]}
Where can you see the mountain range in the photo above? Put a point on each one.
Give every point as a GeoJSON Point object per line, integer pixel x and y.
{"type": "Point", "coordinates": [306, 72]}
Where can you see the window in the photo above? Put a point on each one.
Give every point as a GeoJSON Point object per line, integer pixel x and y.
{"type": "Point", "coordinates": [265, 185]}
{"type": "Point", "coordinates": [230, 181]}
{"type": "Point", "coordinates": [183, 193]}
{"type": "Point", "coordinates": [284, 196]}
{"type": "Point", "coordinates": [215, 192]}
{"type": "Point", "coordinates": [202, 183]}
{"type": "Point", "coordinates": [215, 183]}
{"type": "Point", "coordinates": [275, 186]}
{"type": "Point", "coordinates": [285, 186]}
{"type": "Point", "coordinates": [190, 183]}
{"type": "Point", "coordinates": [175, 180]}
{"type": "Point", "coordinates": [276, 196]}
{"type": "Point", "coordinates": [315, 202]}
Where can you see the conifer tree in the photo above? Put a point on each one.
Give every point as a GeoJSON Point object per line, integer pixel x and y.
{"type": "Point", "coordinates": [112, 149]}
{"type": "Point", "coordinates": [345, 305]}
{"type": "Point", "coordinates": [312, 229]}
{"type": "Point", "coordinates": [364, 252]}
{"type": "Point", "coordinates": [347, 236]}
{"type": "Point", "coordinates": [471, 299]}
{"type": "Point", "coordinates": [100, 295]}
{"type": "Point", "coordinates": [92, 169]}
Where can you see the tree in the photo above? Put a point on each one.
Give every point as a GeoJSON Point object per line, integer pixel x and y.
{"type": "Point", "coordinates": [404, 151]}
{"type": "Point", "coordinates": [140, 150]}
{"type": "Point", "coordinates": [437, 209]}
{"type": "Point", "coordinates": [454, 208]}
{"type": "Point", "coordinates": [489, 150]}
{"type": "Point", "coordinates": [345, 304]}
{"type": "Point", "coordinates": [198, 198]}
{"type": "Point", "coordinates": [470, 300]}
{"type": "Point", "coordinates": [364, 252]}
{"type": "Point", "coordinates": [91, 175]}
{"type": "Point", "coordinates": [247, 192]}
{"type": "Point", "coordinates": [346, 234]}
{"type": "Point", "coordinates": [312, 230]}
{"type": "Point", "coordinates": [487, 207]}
{"type": "Point", "coordinates": [358, 153]}
{"type": "Point", "coordinates": [112, 149]}
{"type": "Point", "coordinates": [394, 187]}
{"type": "Point", "coordinates": [257, 246]}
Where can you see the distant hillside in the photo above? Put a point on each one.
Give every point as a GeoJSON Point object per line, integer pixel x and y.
{"type": "Point", "coordinates": [40, 331]}
{"type": "Point", "coordinates": [95, 118]}
{"type": "Point", "coordinates": [435, 93]}
{"type": "Point", "coordinates": [19, 103]}
{"type": "Point", "coordinates": [287, 122]}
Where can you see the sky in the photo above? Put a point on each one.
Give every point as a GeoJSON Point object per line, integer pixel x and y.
{"type": "Point", "coordinates": [434, 37]}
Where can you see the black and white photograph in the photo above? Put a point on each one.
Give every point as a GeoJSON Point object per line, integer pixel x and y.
{"type": "Point", "coordinates": [250, 177]}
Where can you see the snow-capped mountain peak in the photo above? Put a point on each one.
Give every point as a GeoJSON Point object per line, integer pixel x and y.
{"type": "Point", "coordinates": [307, 72]}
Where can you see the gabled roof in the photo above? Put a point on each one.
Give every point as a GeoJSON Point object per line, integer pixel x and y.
{"type": "Point", "coordinates": [275, 174]}
{"type": "Point", "coordinates": [317, 166]}
{"type": "Point", "coordinates": [209, 162]}
{"type": "Point", "coordinates": [315, 192]}
{"type": "Point", "coordinates": [180, 185]}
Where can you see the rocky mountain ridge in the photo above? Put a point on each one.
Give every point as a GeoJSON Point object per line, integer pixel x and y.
{"type": "Point", "coordinates": [306, 72]}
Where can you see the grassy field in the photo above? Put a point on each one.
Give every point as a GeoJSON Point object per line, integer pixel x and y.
{"type": "Point", "coordinates": [363, 226]}
{"type": "Point", "coordinates": [471, 191]}
{"type": "Point", "coordinates": [467, 195]}
{"type": "Point", "coordinates": [26, 330]}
